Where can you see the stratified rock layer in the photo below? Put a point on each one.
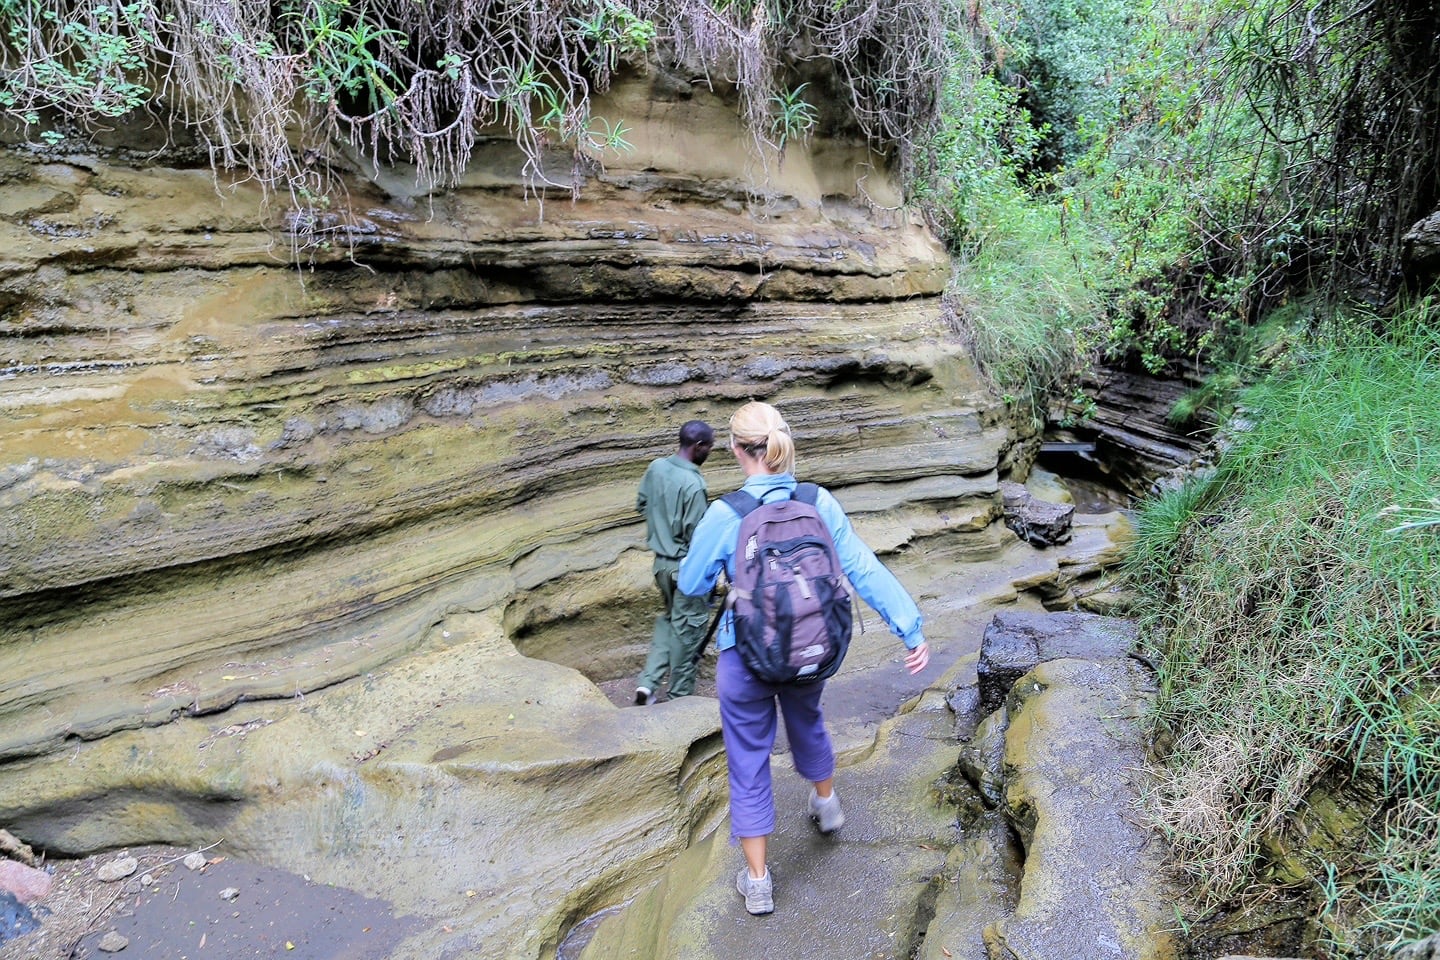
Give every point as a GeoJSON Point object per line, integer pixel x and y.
{"type": "Point", "coordinates": [227, 477]}
{"type": "Point", "coordinates": [321, 560]}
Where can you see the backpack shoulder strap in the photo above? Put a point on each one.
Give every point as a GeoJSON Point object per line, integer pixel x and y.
{"type": "Point", "coordinates": [741, 502]}
{"type": "Point", "coordinates": [806, 493]}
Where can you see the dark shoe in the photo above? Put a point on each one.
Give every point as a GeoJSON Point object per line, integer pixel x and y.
{"type": "Point", "coordinates": [644, 696]}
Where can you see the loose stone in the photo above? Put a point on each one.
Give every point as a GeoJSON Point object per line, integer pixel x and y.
{"type": "Point", "coordinates": [25, 884]}
{"type": "Point", "coordinates": [229, 893]}
{"type": "Point", "coordinates": [117, 869]}
{"type": "Point", "coordinates": [12, 847]}
{"type": "Point", "coordinates": [113, 942]}
{"type": "Point", "coordinates": [194, 861]}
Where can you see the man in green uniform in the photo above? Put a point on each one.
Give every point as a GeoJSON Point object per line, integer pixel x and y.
{"type": "Point", "coordinates": [672, 499]}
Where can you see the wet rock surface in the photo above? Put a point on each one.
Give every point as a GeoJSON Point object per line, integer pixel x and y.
{"type": "Point", "coordinates": [1093, 874]}
{"type": "Point", "coordinates": [1074, 756]}
{"type": "Point", "coordinates": [1058, 867]}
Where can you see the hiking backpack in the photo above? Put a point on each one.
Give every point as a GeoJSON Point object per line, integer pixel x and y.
{"type": "Point", "coordinates": [790, 600]}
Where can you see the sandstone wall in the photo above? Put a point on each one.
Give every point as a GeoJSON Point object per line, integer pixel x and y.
{"type": "Point", "coordinates": [224, 476]}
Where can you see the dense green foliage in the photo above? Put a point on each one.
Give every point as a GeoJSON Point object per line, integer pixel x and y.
{"type": "Point", "coordinates": [1299, 587]}
{"type": "Point", "coordinates": [1178, 170]}
{"type": "Point", "coordinates": [1168, 184]}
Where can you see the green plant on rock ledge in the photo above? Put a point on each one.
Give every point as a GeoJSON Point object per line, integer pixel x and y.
{"type": "Point", "coordinates": [794, 117]}
{"type": "Point", "coordinates": [91, 63]}
{"type": "Point", "coordinates": [345, 60]}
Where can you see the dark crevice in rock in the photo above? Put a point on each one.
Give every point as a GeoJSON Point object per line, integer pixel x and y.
{"type": "Point", "coordinates": [1135, 440]}
{"type": "Point", "coordinates": [911, 935]}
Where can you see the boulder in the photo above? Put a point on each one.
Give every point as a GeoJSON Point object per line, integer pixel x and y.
{"type": "Point", "coordinates": [25, 884]}
{"type": "Point", "coordinates": [1037, 522]}
{"type": "Point", "coordinates": [1422, 243]}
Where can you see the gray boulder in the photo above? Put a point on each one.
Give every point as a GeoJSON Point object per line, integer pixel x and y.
{"type": "Point", "coordinates": [1017, 641]}
{"type": "Point", "coordinates": [1037, 522]}
{"type": "Point", "coordinates": [1422, 242]}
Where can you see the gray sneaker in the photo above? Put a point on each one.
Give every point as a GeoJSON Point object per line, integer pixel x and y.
{"type": "Point", "coordinates": [826, 812]}
{"type": "Point", "coordinates": [759, 894]}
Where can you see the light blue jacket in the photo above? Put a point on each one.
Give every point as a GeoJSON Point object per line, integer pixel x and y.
{"type": "Point", "coordinates": [713, 546]}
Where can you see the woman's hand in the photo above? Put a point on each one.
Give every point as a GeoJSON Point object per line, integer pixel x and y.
{"type": "Point", "coordinates": [917, 659]}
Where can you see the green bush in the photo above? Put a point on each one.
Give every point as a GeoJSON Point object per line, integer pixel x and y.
{"type": "Point", "coordinates": [1080, 172]}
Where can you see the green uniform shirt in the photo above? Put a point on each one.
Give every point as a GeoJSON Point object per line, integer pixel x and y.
{"type": "Point", "coordinates": [672, 499]}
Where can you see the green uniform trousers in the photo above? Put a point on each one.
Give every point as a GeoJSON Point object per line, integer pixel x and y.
{"type": "Point", "coordinates": [678, 632]}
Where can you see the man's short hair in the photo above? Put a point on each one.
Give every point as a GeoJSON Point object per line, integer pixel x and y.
{"type": "Point", "coordinates": [696, 431]}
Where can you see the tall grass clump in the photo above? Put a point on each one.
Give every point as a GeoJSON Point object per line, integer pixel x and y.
{"type": "Point", "coordinates": [1294, 602]}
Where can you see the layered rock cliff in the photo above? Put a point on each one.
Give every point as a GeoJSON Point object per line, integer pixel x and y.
{"type": "Point", "coordinates": [228, 476]}
{"type": "Point", "coordinates": [320, 558]}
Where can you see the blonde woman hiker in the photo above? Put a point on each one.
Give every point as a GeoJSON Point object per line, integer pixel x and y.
{"type": "Point", "coordinates": [761, 442]}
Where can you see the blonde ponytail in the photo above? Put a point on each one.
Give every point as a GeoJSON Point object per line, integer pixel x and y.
{"type": "Point", "coordinates": [759, 428]}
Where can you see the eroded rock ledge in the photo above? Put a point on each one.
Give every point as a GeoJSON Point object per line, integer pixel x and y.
{"type": "Point", "coordinates": [1061, 755]}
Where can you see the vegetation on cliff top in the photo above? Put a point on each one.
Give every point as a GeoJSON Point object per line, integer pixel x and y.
{"type": "Point", "coordinates": [279, 90]}
{"type": "Point", "coordinates": [1145, 183]}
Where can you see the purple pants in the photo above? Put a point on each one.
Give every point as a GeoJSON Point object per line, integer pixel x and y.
{"type": "Point", "coordinates": [747, 720]}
